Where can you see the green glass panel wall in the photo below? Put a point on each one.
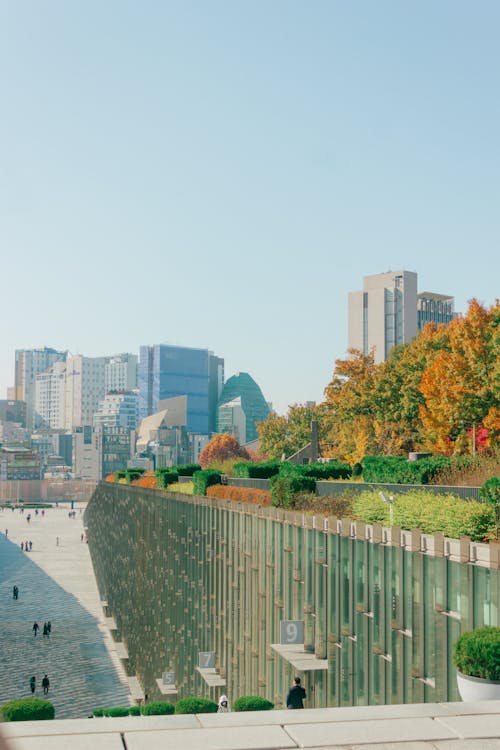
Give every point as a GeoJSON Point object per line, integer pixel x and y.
{"type": "Point", "coordinates": [183, 575]}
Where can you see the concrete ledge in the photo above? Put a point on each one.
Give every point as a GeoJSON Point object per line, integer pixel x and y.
{"type": "Point", "coordinates": [301, 660]}
{"type": "Point", "coordinates": [121, 650]}
{"type": "Point", "coordinates": [166, 689]}
{"type": "Point", "coordinates": [135, 688]}
{"type": "Point", "coordinates": [211, 677]}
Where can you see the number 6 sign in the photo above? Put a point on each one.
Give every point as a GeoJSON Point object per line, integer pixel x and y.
{"type": "Point", "coordinates": [291, 631]}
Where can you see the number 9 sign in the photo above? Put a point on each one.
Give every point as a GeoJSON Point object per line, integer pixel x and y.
{"type": "Point", "coordinates": [291, 631]}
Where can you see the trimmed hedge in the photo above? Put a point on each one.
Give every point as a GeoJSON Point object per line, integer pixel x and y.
{"type": "Point", "coordinates": [398, 470]}
{"type": "Point", "coordinates": [195, 706]}
{"type": "Point", "coordinates": [261, 470]}
{"type": "Point", "coordinates": [186, 470]}
{"type": "Point", "coordinates": [284, 489]}
{"type": "Point", "coordinates": [164, 477]}
{"type": "Point", "coordinates": [134, 710]}
{"type": "Point", "coordinates": [157, 708]}
{"type": "Point", "coordinates": [252, 703]}
{"type": "Point", "coordinates": [421, 509]}
{"type": "Point", "coordinates": [204, 479]}
{"type": "Point", "coordinates": [332, 470]}
{"type": "Point", "coordinates": [477, 653]}
{"type": "Point", "coordinates": [27, 709]}
{"type": "Point", "coordinates": [118, 711]}
{"type": "Point", "coordinates": [119, 475]}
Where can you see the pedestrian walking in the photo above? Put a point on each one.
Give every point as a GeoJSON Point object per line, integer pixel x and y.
{"type": "Point", "coordinates": [81, 537]}
{"type": "Point", "coordinates": [57, 541]}
{"type": "Point", "coordinates": [6, 532]}
{"type": "Point", "coordinates": [223, 705]}
{"type": "Point", "coordinates": [26, 548]}
{"type": "Point", "coordinates": [31, 545]}
{"type": "Point", "coordinates": [49, 626]}
{"type": "Point", "coordinates": [15, 592]}
{"type": "Point", "coordinates": [22, 546]}
{"type": "Point", "coordinates": [45, 685]}
{"type": "Point", "coordinates": [43, 513]}
{"type": "Point", "coordinates": [33, 684]}
{"type": "Point", "coordinates": [45, 629]}
{"type": "Point", "coordinates": [36, 511]}
{"type": "Point", "coordinates": [295, 695]}
{"type": "Point", "coordinates": [36, 628]}
{"type": "Point", "coordinates": [28, 517]}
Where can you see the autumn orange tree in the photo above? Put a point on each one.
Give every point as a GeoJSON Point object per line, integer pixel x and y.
{"type": "Point", "coordinates": [461, 388]}
{"type": "Point", "coordinates": [222, 447]}
{"type": "Point", "coordinates": [429, 394]}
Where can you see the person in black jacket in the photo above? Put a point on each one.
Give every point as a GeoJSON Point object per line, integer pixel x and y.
{"type": "Point", "coordinates": [295, 695]}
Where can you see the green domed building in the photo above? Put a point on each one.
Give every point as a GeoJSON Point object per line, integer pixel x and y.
{"type": "Point", "coordinates": [240, 406]}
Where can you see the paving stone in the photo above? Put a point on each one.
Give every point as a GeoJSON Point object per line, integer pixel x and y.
{"type": "Point", "coordinates": [56, 583]}
{"type": "Point", "coordinates": [253, 738]}
{"type": "Point", "coordinates": [97, 726]}
{"type": "Point", "coordinates": [485, 725]}
{"type": "Point", "coordinates": [468, 745]}
{"type": "Point", "coordinates": [382, 731]}
{"type": "Point", "coordinates": [64, 742]}
{"type": "Point", "coordinates": [477, 707]}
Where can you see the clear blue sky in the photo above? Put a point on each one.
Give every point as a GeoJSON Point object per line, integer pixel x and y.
{"type": "Point", "coordinates": [222, 174]}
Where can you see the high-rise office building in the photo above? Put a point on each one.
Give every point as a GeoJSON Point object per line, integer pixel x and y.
{"type": "Point", "coordinates": [50, 398]}
{"type": "Point", "coordinates": [29, 364]}
{"type": "Point", "coordinates": [166, 371]}
{"type": "Point", "coordinates": [85, 388]}
{"type": "Point", "coordinates": [241, 394]}
{"type": "Point", "coordinates": [121, 372]}
{"type": "Point", "coordinates": [117, 410]}
{"type": "Point", "coordinates": [389, 312]}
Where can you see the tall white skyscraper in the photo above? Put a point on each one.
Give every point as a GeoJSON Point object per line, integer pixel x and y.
{"type": "Point", "coordinates": [29, 364]}
{"type": "Point", "coordinates": [389, 312]}
{"type": "Point", "coordinates": [121, 372]}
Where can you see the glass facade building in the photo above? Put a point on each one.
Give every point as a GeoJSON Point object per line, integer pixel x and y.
{"type": "Point", "coordinates": [242, 387]}
{"type": "Point", "coordinates": [166, 371]}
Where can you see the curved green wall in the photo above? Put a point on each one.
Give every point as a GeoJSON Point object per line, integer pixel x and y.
{"type": "Point", "coordinates": [183, 575]}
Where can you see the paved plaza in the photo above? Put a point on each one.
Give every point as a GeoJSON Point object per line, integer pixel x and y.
{"type": "Point", "coordinates": [56, 583]}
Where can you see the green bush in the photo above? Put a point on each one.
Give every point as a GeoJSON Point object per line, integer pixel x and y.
{"type": "Point", "coordinates": [332, 470]}
{"type": "Point", "coordinates": [117, 711]}
{"type": "Point", "coordinates": [490, 493]}
{"type": "Point", "coordinates": [204, 479]}
{"type": "Point", "coordinates": [27, 709]}
{"type": "Point", "coordinates": [477, 653]}
{"type": "Point", "coordinates": [131, 475]}
{"type": "Point", "coordinates": [421, 509]}
{"type": "Point", "coordinates": [159, 708]}
{"type": "Point", "coordinates": [195, 706]}
{"type": "Point", "coordinates": [119, 475]}
{"type": "Point", "coordinates": [398, 470]}
{"type": "Point", "coordinates": [252, 703]}
{"type": "Point", "coordinates": [186, 470]}
{"type": "Point", "coordinates": [357, 469]}
{"type": "Point", "coordinates": [284, 489]}
{"type": "Point", "coordinates": [164, 477]}
{"type": "Point", "coordinates": [260, 470]}
{"type": "Point", "coordinates": [134, 711]}
{"type": "Point", "coordinates": [98, 712]}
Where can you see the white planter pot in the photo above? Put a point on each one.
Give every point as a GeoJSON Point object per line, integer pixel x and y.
{"type": "Point", "coordinates": [477, 689]}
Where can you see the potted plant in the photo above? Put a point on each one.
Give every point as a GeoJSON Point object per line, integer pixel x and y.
{"type": "Point", "coordinates": [476, 655]}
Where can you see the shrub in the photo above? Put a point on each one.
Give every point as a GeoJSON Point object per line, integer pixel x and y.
{"type": "Point", "coordinates": [98, 712]}
{"type": "Point", "coordinates": [186, 470]}
{"type": "Point", "coordinates": [490, 493]}
{"type": "Point", "coordinates": [119, 475]}
{"type": "Point", "coordinates": [117, 711]}
{"type": "Point", "coordinates": [185, 488]}
{"type": "Point", "coordinates": [261, 470]}
{"type": "Point", "coordinates": [27, 709]}
{"type": "Point", "coordinates": [240, 494]}
{"type": "Point", "coordinates": [357, 469]}
{"type": "Point", "coordinates": [423, 510]}
{"type": "Point", "coordinates": [164, 477]}
{"type": "Point", "coordinates": [252, 703]}
{"type": "Point", "coordinates": [158, 708]}
{"type": "Point", "coordinates": [332, 470]}
{"type": "Point", "coordinates": [284, 489]}
{"type": "Point", "coordinates": [398, 470]}
{"type": "Point", "coordinates": [204, 479]}
{"type": "Point", "coordinates": [134, 711]}
{"type": "Point", "coordinates": [477, 653]}
{"type": "Point", "coordinates": [195, 706]}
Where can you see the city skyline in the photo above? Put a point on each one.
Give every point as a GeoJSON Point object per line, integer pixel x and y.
{"type": "Point", "coordinates": [221, 176]}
